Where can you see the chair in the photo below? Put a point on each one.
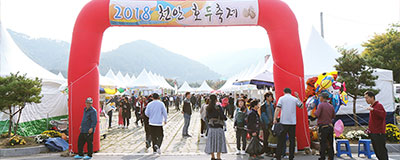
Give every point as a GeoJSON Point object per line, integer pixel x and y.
{"type": "Point", "coordinates": [339, 148]}
{"type": "Point", "coordinates": [367, 148]}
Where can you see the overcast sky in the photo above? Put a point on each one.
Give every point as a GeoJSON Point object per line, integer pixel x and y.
{"type": "Point", "coordinates": [346, 22]}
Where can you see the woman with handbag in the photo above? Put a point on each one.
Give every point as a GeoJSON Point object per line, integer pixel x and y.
{"type": "Point", "coordinates": [253, 128]}
{"type": "Point", "coordinates": [267, 114]}
{"type": "Point", "coordinates": [216, 142]}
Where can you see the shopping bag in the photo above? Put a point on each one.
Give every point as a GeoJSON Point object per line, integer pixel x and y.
{"type": "Point", "coordinates": [277, 129]}
{"type": "Point", "coordinates": [255, 147]}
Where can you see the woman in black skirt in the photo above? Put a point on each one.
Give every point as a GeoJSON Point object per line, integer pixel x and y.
{"type": "Point", "coordinates": [216, 142]}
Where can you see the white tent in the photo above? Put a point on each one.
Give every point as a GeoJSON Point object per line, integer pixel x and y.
{"type": "Point", "coordinates": [54, 104]}
{"type": "Point", "coordinates": [204, 87]}
{"type": "Point", "coordinates": [120, 77]}
{"type": "Point", "coordinates": [127, 79]}
{"type": "Point", "coordinates": [107, 82]}
{"type": "Point", "coordinates": [385, 96]}
{"type": "Point", "coordinates": [110, 74]}
{"type": "Point", "coordinates": [185, 88]}
{"type": "Point", "coordinates": [318, 55]}
{"type": "Point", "coordinates": [144, 81]}
{"type": "Point", "coordinates": [133, 78]}
{"type": "Point", "coordinates": [164, 83]}
{"type": "Point", "coordinates": [60, 76]}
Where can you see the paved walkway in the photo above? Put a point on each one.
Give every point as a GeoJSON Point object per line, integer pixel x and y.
{"type": "Point", "coordinates": [120, 156]}
{"type": "Point", "coordinates": [129, 144]}
{"type": "Point", "coordinates": [132, 140]}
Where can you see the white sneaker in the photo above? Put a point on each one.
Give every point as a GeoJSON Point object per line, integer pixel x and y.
{"type": "Point", "coordinates": [243, 152]}
{"type": "Point", "coordinates": [201, 135]}
{"type": "Point", "coordinates": [238, 152]}
{"type": "Point", "coordinates": [286, 157]}
{"type": "Point", "coordinates": [158, 150]}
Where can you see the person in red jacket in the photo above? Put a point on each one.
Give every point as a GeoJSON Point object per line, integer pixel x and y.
{"type": "Point", "coordinates": [377, 126]}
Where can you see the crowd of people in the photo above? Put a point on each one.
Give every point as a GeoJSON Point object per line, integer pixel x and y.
{"type": "Point", "coordinates": [252, 119]}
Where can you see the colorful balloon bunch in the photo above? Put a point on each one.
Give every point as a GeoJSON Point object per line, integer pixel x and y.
{"type": "Point", "coordinates": [325, 82]}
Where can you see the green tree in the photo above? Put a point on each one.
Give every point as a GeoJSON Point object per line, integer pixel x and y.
{"type": "Point", "coordinates": [171, 82]}
{"type": "Point", "coordinates": [16, 91]}
{"type": "Point", "coordinates": [195, 84]}
{"type": "Point", "coordinates": [353, 70]}
{"type": "Point", "coordinates": [383, 51]}
{"type": "Point", "coordinates": [216, 84]}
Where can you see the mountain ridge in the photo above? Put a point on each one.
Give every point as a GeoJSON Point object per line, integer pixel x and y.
{"type": "Point", "coordinates": [129, 58]}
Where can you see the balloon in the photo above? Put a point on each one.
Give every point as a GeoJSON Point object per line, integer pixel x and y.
{"type": "Point", "coordinates": [334, 74]}
{"type": "Point", "coordinates": [336, 102]}
{"type": "Point", "coordinates": [326, 82]}
{"type": "Point", "coordinates": [311, 104]}
{"type": "Point", "coordinates": [310, 91]}
{"type": "Point", "coordinates": [344, 98]}
{"type": "Point", "coordinates": [338, 128]}
{"type": "Point", "coordinates": [337, 85]}
{"type": "Point", "coordinates": [320, 78]}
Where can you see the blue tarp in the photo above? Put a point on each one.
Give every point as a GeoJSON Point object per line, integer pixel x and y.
{"type": "Point", "coordinates": [56, 144]}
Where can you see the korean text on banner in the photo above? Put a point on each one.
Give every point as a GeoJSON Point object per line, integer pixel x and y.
{"type": "Point", "coordinates": [183, 13]}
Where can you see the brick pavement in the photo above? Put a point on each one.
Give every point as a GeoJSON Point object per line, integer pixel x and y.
{"type": "Point", "coordinates": [132, 140]}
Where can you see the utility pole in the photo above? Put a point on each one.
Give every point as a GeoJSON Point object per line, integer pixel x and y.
{"type": "Point", "coordinates": [322, 25]}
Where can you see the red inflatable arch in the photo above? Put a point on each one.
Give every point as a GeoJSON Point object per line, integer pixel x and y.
{"type": "Point", "coordinates": [273, 15]}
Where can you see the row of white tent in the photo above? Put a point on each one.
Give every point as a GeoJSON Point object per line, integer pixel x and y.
{"type": "Point", "coordinates": [204, 88]}
{"type": "Point", "coordinates": [144, 80]}
{"type": "Point", "coordinates": [318, 57]}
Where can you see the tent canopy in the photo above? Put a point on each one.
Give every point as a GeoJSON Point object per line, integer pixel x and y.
{"type": "Point", "coordinates": [204, 87]}
{"type": "Point", "coordinates": [185, 88]}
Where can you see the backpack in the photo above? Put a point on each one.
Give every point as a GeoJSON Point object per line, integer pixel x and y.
{"type": "Point", "coordinates": [240, 119]}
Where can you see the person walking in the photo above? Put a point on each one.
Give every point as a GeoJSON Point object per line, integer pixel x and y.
{"type": "Point", "coordinates": [231, 105]}
{"type": "Point", "coordinates": [240, 127]}
{"type": "Point", "coordinates": [187, 113]}
{"type": "Point", "coordinates": [216, 142]}
{"type": "Point", "coordinates": [203, 119]}
{"type": "Point", "coordinates": [193, 101]}
{"type": "Point", "coordinates": [177, 102]}
{"type": "Point", "coordinates": [120, 117]}
{"type": "Point", "coordinates": [287, 107]}
{"type": "Point", "coordinates": [253, 123]}
{"type": "Point", "coordinates": [110, 108]}
{"type": "Point", "coordinates": [136, 107]}
{"type": "Point", "coordinates": [157, 114]}
{"type": "Point", "coordinates": [325, 114]}
{"type": "Point", "coordinates": [126, 112]}
{"type": "Point", "coordinates": [87, 129]}
{"type": "Point", "coordinates": [146, 122]}
{"type": "Point", "coordinates": [165, 100]}
{"type": "Point", "coordinates": [267, 115]}
{"type": "Point", "coordinates": [377, 125]}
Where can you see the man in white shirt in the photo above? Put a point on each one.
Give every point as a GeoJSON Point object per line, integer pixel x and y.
{"type": "Point", "coordinates": [157, 114]}
{"type": "Point", "coordinates": [287, 107]}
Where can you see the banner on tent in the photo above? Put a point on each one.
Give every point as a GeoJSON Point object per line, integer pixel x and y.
{"type": "Point", "coordinates": [183, 13]}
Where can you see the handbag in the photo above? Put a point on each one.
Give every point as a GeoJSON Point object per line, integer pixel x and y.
{"type": "Point", "coordinates": [277, 129]}
{"type": "Point", "coordinates": [255, 147]}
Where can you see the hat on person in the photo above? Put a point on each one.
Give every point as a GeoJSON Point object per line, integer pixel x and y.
{"type": "Point", "coordinates": [89, 100]}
